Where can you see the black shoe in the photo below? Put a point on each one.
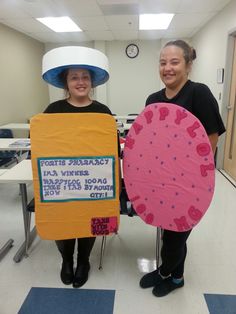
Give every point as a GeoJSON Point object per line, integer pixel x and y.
{"type": "Point", "coordinates": [81, 275]}
{"type": "Point", "coordinates": [67, 272]}
{"type": "Point", "coordinates": [151, 279]}
{"type": "Point", "coordinates": [166, 286]}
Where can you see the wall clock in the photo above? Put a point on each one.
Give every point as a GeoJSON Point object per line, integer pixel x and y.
{"type": "Point", "coordinates": [132, 50]}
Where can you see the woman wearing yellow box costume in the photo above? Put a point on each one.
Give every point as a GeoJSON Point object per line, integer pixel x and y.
{"type": "Point", "coordinates": [77, 70]}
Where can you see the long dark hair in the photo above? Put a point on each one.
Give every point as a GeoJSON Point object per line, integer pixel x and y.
{"type": "Point", "coordinates": [63, 78]}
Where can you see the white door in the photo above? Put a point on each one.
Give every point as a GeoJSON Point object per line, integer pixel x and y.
{"type": "Point", "coordinates": [230, 144]}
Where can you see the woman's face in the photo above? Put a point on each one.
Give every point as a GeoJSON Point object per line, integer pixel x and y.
{"type": "Point", "coordinates": [79, 82]}
{"type": "Point", "coordinates": [173, 68]}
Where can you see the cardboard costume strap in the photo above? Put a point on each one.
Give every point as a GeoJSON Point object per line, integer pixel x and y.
{"type": "Point", "coordinates": [75, 173]}
{"type": "Point", "coordinates": [168, 167]}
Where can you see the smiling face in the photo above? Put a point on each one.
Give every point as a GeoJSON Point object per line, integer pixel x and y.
{"type": "Point", "coordinates": [79, 83]}
{"type": "Point", "coordinates": [173, 68]}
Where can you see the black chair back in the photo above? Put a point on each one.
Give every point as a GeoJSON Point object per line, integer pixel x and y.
{"type": "Point", "coordinates": [7, 156]}
{"type": "Point", "coordinates": [126, 207]}
{"type": "Point", "coordinates": [132, 117]}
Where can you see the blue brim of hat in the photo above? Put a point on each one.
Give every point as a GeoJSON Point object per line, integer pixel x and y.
{"type": "Point", "coordinates": [53, 76]}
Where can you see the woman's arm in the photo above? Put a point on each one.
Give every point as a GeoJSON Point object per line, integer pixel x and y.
{"type": "Point", "coordinates": [213, 138]}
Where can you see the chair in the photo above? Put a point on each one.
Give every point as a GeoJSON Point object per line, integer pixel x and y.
{"type": "Point", "coordinates": [30, 234]}
{"type": "Point", "coordinates": [7, 157]}
{"type": "Point", "coordinates": [114, 115]}
{"type": "Point", "coordinates": [132, 117]}
{"type": "Point", "coordinates": [126, 208]}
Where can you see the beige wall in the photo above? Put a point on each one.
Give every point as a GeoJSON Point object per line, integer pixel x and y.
{"type": "Point", "coordinates": [22, 91]}
{"type": "Point", "coordinates": [132, 80]}
{"type": "Point", "coordinates": [211, 46]}
{"type": "Point", "coordinates": [213, 52]}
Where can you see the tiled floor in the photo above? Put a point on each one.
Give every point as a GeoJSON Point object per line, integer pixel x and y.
{"type": "Point", "coordinates": [210, 265]}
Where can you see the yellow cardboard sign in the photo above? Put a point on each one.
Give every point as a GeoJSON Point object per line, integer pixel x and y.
{"type": "Point", "coordinates": [76, 174]}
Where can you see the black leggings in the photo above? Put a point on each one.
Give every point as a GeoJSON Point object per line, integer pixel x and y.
{"type": "Point", "coordinates": [67, 247]}
{"type": "Point", "coordinates": [173, 253]}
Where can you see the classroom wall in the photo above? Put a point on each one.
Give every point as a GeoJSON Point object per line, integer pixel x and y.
{"type": "Point", "coordinates": [23, 92]}
{"type": "Point", "coordinates": [211, 46]}
{"type": "Point", "coordinates": [132, 80]}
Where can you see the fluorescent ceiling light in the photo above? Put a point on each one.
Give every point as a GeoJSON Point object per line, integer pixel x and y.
{"type": "Point", "coordinates": [154, 21]}
{"type": "Point", "coordinates": [60, 24]}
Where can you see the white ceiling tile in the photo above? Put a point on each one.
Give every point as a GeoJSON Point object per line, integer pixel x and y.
{"type": "Point", "coordinates": [27, 25]}
{"type": "Point", "coordinates": [153, 7]}
{"type": "Point", "coordinates": [201, 6]}
{"type": "Point", "coordinates": [120, 9]}
{"type": "Point", "coordinates": [91, 23]}
{"type": "Point", "coordinates": [116, 1]}
{"type": "Point", "coordinates": [150, 35]}
{"type": "Point", "coordinates": [88, 14]}
{"type": "Point", "coordinates": [127, 35]}
{"type": "Point", "coordinates": [100, 35]}
{"type": "Point", "coordinates": [78, 7]}
{"type": "Point", "coordinates": [180, 33]}
{"type": "Point", "coordinates": [190, 19]}
{"type": "Point", "coordinates": [7, 11]}
{"type": "Point", "coordinates": [37, 8]}
{"type": "Point", "coordinates": [127, 22]}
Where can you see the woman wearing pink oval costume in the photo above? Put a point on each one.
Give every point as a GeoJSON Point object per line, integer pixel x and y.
{"type": "Point", "coordinates": [174, 66]}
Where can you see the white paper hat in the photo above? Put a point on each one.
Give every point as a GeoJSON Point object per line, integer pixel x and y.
{"type": "Point", "coordinates": [57, 60]}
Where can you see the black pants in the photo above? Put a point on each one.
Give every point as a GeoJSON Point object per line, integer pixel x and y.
{"type": "Point", "coordinates": [173, 253]}
{"type": "Point", "coordinates": [67, 248]}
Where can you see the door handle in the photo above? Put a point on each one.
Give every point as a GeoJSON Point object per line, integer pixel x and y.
{"type": "Point", "coordinates": [229, 107]}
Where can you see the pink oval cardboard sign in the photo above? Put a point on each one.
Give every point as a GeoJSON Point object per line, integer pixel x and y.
{"type": "Point", "coordinates": [168, 167]}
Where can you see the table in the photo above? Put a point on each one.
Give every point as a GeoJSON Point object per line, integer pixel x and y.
{"type": "Point", "coordinates": [125, 117]}
{"type": "Point", "coordinates": [2, 171]}
{"type": "Point", "coordinates": [123, 127]}
{"type": "Point", "coordinates": [22, 145]}
{"type": "Point", "coordinates": [16, 126]}
{"type": "Point", "coordinates": [6, 247]}
{"type": "Point", "coordinates": [127, 126]}
{"type": "Point", "coordinates": [22, 174]}
{"type": "Point", "coordinates": [15, 144]}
